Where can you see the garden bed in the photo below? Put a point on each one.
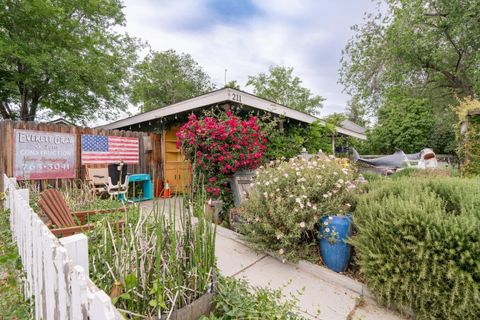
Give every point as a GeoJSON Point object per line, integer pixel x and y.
{"type": "Point", "coordinates": [198, 308]}
{"type": "Point", "coordinates": [161, 262]}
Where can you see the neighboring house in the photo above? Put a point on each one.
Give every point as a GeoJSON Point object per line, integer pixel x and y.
{"type": "Point", "coordinates": [61, 121]}
{"type": "Point", "coordinates": [165, 121]}
{"type": "Point", "coordinates": [353, 127]}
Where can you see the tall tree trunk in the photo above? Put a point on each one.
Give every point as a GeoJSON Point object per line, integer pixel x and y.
{"type": "Point", "coordinates": [34, 106]}
{"type": "Point", "coordinates": [24, 110]}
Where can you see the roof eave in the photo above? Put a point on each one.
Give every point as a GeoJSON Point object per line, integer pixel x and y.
{"type": "Point", "coordinates": [219, 96]}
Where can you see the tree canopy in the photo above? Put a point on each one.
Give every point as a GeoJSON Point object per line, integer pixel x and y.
{"type": "Point", "coordinates": [431, 45]}
{"type": "Point", "coordinates": [356, 112]}
{"type": "Point", "coordinates": [404, 122]}
{"type": "Point", "coordinates": [233, 84]}
{"type": "Point", "coordinates": [63, 56]}
{"type": "Point", "coordinates": [282, 87]}
{"type": "Point", "coordinates": [163, 78]}
{"type": "Point", "coordinates": [429, 49]}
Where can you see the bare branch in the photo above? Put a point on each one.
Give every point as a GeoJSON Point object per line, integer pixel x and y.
{"type": "Point", "coordinates": [436, 14]}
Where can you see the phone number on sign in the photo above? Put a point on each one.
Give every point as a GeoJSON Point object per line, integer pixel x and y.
{"type": "Point", "coordinates": [47, 167]}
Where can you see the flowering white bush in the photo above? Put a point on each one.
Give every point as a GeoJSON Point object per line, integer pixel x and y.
{"type": "Point", "coordinates": [289, 198]}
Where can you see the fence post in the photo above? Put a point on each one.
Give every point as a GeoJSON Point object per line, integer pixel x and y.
{"type": "Point", "coordinates": [62, 293]}
{"type": "Point", "coordinates": [4, 191]}
{"type": "Point", "coordinates": [49, 273]}
{"type": "Point", "coordinates": [100, 307]}
{"type": "Point", "coordinates": [25, 194]}
{"type": "Point", "coordinates": [78, 283]}
{"type": "Point", "coordinates": [38, 230]}
{"type": "Point", "coordinates": [77, 248]}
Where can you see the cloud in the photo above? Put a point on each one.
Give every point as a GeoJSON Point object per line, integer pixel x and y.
{"type": "Point", "coordinates": [246, 37]}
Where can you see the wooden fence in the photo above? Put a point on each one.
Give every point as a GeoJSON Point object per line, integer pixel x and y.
{"type": "Point", "coordinates": [150, 160]}
{"type": "Point", "coordinates": [56, 271]}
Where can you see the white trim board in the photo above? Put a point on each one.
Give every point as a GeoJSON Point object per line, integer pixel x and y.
{"type": "Point", "coordinates": [219, 96]}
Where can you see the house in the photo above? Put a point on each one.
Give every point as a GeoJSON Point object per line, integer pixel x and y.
{"type": "Point", "coordinates": [353, 127]}
{"type": "Point", "coordinates": [61, 121]}
{"type": "Point", "coordinates": [165, 121]}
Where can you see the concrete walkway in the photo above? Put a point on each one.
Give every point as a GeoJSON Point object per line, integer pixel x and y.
{"type": "Point", "coordinates": [320, 299]}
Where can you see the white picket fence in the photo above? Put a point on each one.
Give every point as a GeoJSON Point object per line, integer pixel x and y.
{"type": "Point", "coordinates": [56, 270]}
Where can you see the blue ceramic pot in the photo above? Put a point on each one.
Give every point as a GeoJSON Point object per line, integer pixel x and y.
{"type": "Point", "coordinates": [334, 230]}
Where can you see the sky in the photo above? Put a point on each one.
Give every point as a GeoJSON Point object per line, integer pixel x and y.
{"type": "Point", "coordinates": [246, 37]}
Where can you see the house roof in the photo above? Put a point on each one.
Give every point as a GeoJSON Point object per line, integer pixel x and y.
{"type": "Point", "coordinates": [352, 126]}
{"type": "Point", "coordinates": [62, 121]}
{"type": "Point", "coordinates": [222, 96]}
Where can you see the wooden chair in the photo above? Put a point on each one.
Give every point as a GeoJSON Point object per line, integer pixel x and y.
{"type": "Point", "coordinates": [54, 206]}
{"type": "Point", "coordinates": [98, 179]}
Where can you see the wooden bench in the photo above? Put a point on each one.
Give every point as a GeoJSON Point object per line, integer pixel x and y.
{"type": "Point", "coordinates": [56, 209]}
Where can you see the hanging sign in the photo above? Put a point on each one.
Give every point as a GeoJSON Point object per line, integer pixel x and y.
{"type": "Point", "coordinates": [44, 155]}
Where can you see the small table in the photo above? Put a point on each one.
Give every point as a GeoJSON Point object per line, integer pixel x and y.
{"type": "Point", "coordinates": [147, 186]}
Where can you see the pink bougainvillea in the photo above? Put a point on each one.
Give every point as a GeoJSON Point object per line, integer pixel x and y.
{"type": "Point", "coordinates": [221, 146]}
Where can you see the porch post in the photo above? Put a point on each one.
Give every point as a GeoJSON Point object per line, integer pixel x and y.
{"type": "Point", "coordinates": [333, 145]}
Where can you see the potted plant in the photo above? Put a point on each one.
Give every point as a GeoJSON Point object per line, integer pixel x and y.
{"type": "Point", "coordinates": [334, 231]}
{"type": "Point", "coordinates": [288, 198]}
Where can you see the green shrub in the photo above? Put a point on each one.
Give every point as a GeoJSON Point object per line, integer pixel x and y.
{"type": "Point", "coordinates": [424, 173]}
{"type": "Point", "coordinates": [373, 176]}
{"type": "Point", "coordinates": [468, 140]}
{"type": "Point", "coordinates": [418, 245]}
{"type": "Point", "coordinates": [235, 299]}
{"type": "Point", "coordinates": [288, 199]}
{"type": "Point", "coordinates": [287, 141]}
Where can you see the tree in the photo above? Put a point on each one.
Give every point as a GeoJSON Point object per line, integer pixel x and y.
{"type": "Point", "coordinates": [233, 84]}
{"type": "Point", "coordinates": [63, 56]}
{"type": "Point", "coordinates": [164, 78]}
{"type": "Point", "coordinates": [280, 86]}
{"type": "Point", "coordinates": [432, 46]}
{"type": "Point", "coordinates": [429, 48]}
{"type": "Point", "coordinates": [404, 122]}
{"type": "Point", "coordinates": [335, 118]}
{"type": "Point", "coordinates": [356, 112]}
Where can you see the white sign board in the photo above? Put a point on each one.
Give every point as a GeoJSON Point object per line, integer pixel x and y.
{"type": "Point", "coordinates": [44, 155]}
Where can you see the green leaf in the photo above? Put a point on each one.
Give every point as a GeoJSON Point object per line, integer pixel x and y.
{"type": "Point", "coordinates": [153, 303]}
{"type": "Point", "coordinates": [130, 281]}
{"type": "Point", "coordinates": [125, 296]}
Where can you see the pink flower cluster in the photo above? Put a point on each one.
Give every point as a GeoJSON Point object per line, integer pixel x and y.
{"type": "Point", "coordinates": [220, 147]}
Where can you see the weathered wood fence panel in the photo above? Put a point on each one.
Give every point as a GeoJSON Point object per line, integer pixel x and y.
{"type": "Point", "coordinates": [59, 288]}
{"type": "Point", "coordinates": [150, 160]}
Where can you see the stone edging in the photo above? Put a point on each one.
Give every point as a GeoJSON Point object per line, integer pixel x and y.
{"type": "Point", "coordinates": [334, 278]}
{"type": "Point", "coordinates": [323, 273]}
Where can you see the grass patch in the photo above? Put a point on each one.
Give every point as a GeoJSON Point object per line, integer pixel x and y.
{"type": "Point", "coordinates": [12, 304]}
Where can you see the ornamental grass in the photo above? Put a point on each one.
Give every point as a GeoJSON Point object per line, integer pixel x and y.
{"type": "Point", "coordinates": [160, 261]}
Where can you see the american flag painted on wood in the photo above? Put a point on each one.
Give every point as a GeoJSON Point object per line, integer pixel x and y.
{"type": "Point", "coordinates": [109, 149]}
